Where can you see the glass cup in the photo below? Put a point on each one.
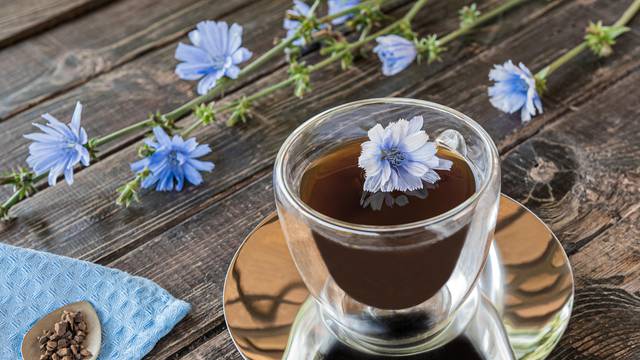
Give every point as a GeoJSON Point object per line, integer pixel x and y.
{"type": "Point", "coordinates": [390, 289]}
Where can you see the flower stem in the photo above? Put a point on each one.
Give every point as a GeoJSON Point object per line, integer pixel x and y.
{"type": "Point", "coordinates": [4, 208]}
{"type": "Point", "coordinates": [365, 32]}
{"type": "Point", "coordinates": [628, 14]}
{"type": "Point", "coordinates": [188, 107]}
{"type": "Point", "coordinates": [256, 64]}
{"type": "Point", "coordinates": [557, 63]}
{"type": "Point", "coordinates": [486, 17]}
{"type": "Point", "coordinates": [408, 17]}
{"type": "Point", "coordinates": [116, 134]}
{"type": "Point", "coordinates": [224, 83]}
{"type": "Point", "coordinates": [264, 92]}
{"type": "Point", "coordinates": [322, 64]}
{"type": "Point", "coordinates": [6, 180]}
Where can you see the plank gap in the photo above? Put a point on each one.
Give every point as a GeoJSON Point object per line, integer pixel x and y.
{"type": "Point", "coordinates": [48, 23]}
{"type": "Point", "coordinates": [570, 107]}
{"type": "Point", "coordinates": [154, 46]}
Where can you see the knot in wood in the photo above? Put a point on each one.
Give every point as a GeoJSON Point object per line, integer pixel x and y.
{"type": "Point", "coordinates": [543, 171]}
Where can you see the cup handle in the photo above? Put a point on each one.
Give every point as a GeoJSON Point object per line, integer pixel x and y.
{"type": "Point", "coordinates": [453, 140]}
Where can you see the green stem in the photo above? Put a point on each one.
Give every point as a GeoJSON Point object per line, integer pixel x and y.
{"type": "Point", "coordinates": [5, 180]}
{"type": "Point", "coordinates": [194, 125]}
{"type": "Point", "coordinates": [116, 134]}
{"type": "Point", "coordinates": [38, 178]}
{"type": "Point", "coordinates": [183, 110]}
{"type": "Point", "coordinates": [408, 17]}
{"type": "Point", "coordinates": [322, 64]}
{"type": "Point", "coordinates": [223, 84]}
{"type": "Point", "coordinates": [257, 63]}
{"type": "Point", "coordinates": [266, 91]}
{"type": "Point", "coordinates": [557, 63]}
{"type": "Point", "coordinates": [365, 32]}
{"type": "Point", "coordinates": [4, 208]}
{"type": "Point", "coordinates": [628, 14]}
{"type": "Point", "coordinates": [484, 18]}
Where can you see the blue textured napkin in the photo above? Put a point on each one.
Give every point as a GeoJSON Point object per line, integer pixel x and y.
{"type": "Point", "coordinates": [134, 312]}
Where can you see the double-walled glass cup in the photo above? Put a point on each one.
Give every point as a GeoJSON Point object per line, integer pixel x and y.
{"type": "Point", "coordinates": [389, 289]}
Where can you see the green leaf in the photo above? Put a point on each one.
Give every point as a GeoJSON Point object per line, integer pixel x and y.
{"type": "Point", "coordinates": [430, 46]}
{"type": "Point", "coordinates": [468, 15]}
{"type": "Point", "coordinates": [205, 113]}
{"type": "Point", "coordinates": [301, 75]}
{"type": "Point", "coordinates": [600, 38]}
{"type": "Point", "coordinates": [240, 113]}
{"type": "Point", "coordinates": [129, 191]}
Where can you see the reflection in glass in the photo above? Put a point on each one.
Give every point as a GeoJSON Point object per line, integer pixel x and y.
{"type": "Point", "coordinates": [395, 198]}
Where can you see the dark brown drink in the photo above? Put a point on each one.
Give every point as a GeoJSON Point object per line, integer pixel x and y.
{"type": "Point", "coordinates": [407, 272]}
{"type": "Point", "coordinates": [459, 348]}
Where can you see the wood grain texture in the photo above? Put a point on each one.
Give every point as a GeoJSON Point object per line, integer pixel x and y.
{"type": "Point", "coordinates": [576, 167]}
{"type": "Point", "coordinates": [139, 87]}
{"type": "Point", "coordinates": [208, 240]}
{"type": "Point", "coordinates": [93, 227]}
{"type": "Point", "coordinates": [129, 93]}
{"type": "Point", "coordinates": [100, 231]}
{"type": "Point", "coordinates": [75, 52]}
{"type": "Point", "coordinates": [20, 19]}
{"type": "Point", "coordinates": [220, 345]}
{"type": "Point", "coordinates": [581, 177]}
{"type": "Point", "coordinates": [604, 323]}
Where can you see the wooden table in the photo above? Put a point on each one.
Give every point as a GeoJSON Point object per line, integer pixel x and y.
{"type": "Point", "coordinates": [577, 166]}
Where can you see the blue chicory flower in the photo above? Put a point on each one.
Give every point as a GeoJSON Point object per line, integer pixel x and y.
{"type": "Point", "coordinates": [395, 52]}
{"type": "Point", "coordinates": [299, 9]}
{"type": "Point", "coordinates": [336, 6]}
{"type": "Point", "coordinates": [216, 52]}
{"type": "Point", "coordinates": [173, 160]}
{"type": "Point", "coordinates": [514, 89]}
{"type": "Point", "coordinates": [59, 147]}
{"type": "Point", "coordinates": [400, 157]}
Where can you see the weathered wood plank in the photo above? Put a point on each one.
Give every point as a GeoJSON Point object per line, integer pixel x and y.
{"type": "Point", "coordinates": [582, 179]}
{"type": "Point", "coordinates": [129, 93]}
{"type": "Point", "coordinates": [138, 88]}
{"type": "Point", "coordinates": [20, 19]}
{"type": "Point", "coordinates": [209, 242]}
{"type": "Point", "coordinates": [220, 345]}
{"type": "Point", "coordinates": [581, 176]}
{"type": "Point", "coordinates": [607, 309]}
{"type": "Point", "coordinates": [94, 221]}
{"type": "Point", "coordinates": [607, 273]}
{"type": "Point", "coordinates": [38, 226]}
{"type": "Point", "coordinates": [73, 53]}
{"type": "Point", "coordinates": [88, 231]}
{"type": "Point", "coordinates": [580, 80]}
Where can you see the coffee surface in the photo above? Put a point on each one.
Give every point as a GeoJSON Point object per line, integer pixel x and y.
{"type": "Point", "coordinates": [387, 277]}
{"type": "Point", "coordinates": [333, 186]}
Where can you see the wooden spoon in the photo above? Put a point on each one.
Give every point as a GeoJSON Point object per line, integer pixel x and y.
{"type": "Point", "coordinates": [31, 347]}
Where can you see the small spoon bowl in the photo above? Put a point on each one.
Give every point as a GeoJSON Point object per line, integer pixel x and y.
{"type": "Point", "coordinates": [30, 346]}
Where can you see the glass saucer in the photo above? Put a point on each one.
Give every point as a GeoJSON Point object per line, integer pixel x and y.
{"type": "Point", "coordinates": [527, 277]}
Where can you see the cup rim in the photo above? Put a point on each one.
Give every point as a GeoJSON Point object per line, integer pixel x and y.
{"type": "Point", "coordinates": [369, 230]}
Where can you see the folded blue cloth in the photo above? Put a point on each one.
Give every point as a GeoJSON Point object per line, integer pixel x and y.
{"type": "Point", "coordinates": [134, 312]}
